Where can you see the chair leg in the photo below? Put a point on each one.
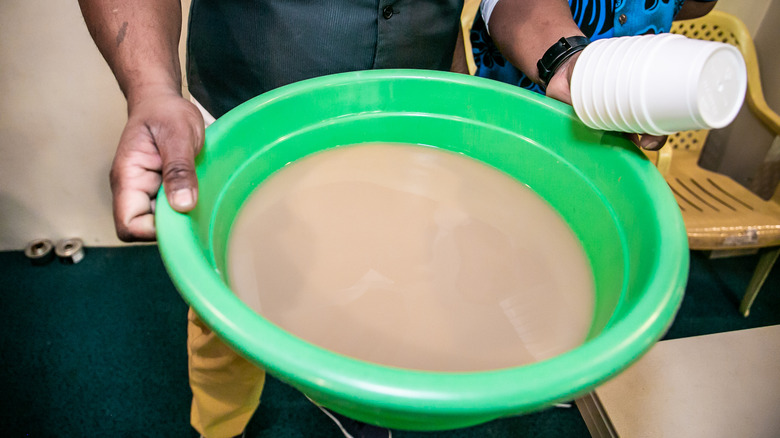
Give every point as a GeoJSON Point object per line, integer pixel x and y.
{"type": "Point", "coordinates": [765, 263]}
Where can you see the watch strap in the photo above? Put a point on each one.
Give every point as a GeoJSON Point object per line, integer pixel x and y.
{"type": "Point", "coordinates": [557, 54]}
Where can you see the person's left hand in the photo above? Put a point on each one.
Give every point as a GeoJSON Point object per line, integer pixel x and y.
{"type": "Point", "coordinates": [559, 88]}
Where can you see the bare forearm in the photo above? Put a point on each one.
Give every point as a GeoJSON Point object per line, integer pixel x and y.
{"type": "Point", "coordinates": [139, 40]}
{"type": "Point", "coordinates": [524, 29]}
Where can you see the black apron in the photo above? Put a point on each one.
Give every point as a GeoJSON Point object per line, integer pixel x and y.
{"type": "Point", "coordinates": [238, 49]}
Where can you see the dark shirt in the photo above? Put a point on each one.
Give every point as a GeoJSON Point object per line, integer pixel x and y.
{"type": "Point", "coordinates": [238, 49]}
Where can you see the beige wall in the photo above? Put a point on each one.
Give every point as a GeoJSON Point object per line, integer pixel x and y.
{"type": "Point", "coordinates": [752, 12]}
{"type": "Point", "coordinates": [744, 150]}
{"type": "Point", "coordinates": [61, 114]}
{"type": "Point", "coordinates": [767, 40]}
{"type": "Point", "coordinates": [60, 117]}
{"type": "Point", "coordinates": [762, 18]}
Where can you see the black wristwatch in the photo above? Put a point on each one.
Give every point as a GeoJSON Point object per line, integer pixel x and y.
{"type": "Point", "coordinates": [559, 52]}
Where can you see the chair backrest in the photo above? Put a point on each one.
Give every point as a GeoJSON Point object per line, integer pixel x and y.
{"type": "Point", "coordinates": [715, 26]}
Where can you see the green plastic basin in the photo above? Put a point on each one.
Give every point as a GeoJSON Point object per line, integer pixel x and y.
{"type": "Point", "coordinates": [612, 197]}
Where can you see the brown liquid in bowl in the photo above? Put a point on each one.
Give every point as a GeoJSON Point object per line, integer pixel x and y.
{"type": "Point", "coordinates": [412, 257]}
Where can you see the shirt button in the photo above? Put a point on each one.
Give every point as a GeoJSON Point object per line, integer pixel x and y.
{"type": "Point", "coordinates": [387, 12]}
{"type": "Point", "coordinates": [622, 19]}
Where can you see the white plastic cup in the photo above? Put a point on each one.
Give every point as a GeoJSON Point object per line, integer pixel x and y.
{"type": "Point", "coordinates": [637, 92]}
{"type": "Point", "coordinates": [610, 97]}
{"type": "Point", "coordinates": [629, 95]}
{"type": "Point", "coordinates": [658, 84]}
{"type": "Point", "coordinates": [615, 69]}
{"type": "Point", "coordinates": [705, 91]}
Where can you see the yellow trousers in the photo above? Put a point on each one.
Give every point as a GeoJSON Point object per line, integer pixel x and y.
{"type": "Point", "coordinates": [226, 388]}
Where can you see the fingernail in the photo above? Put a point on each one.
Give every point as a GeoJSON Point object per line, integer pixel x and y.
{"type": "Point", "coordinates": [182, 198]}
{"type": "Point", "coordinates": [651, 146]}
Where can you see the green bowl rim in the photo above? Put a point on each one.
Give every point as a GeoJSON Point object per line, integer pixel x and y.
{"type": "Point", "coordinates": [323, 372]}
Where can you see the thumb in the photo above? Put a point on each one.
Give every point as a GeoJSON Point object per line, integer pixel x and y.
{"type": "Point", "coordinates": [178, 171]}
{"type": "Point", "coordinates": [180, 184]}
{"type": "Point", "coordinates": [652, 142]}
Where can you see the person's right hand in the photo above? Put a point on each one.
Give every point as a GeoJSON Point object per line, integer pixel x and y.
{"type": "Point", "coordinates": [163, 134]}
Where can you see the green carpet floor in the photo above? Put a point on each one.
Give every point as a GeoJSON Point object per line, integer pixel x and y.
{"type": "Point", "coordinates": [97, 349]}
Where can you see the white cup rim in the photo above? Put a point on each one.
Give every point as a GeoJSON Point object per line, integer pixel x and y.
{"type": "Point", "coordinates": [728, 117]}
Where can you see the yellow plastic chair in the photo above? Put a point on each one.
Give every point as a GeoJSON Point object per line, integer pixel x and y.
{"type": "Point", "coordinates": [719, 213]}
